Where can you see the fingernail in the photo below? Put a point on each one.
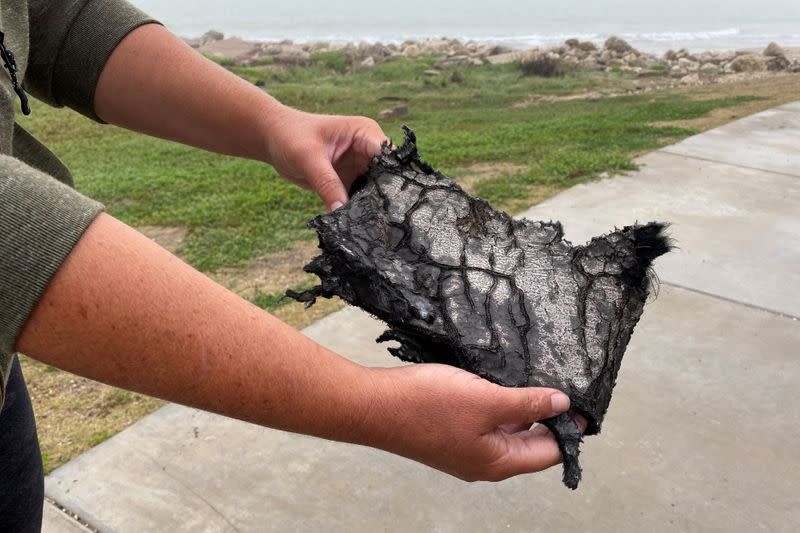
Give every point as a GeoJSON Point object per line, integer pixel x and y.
{"type": "Point", "coordinates": [336, 205]}
{"type": "Point", "coordinates": [560, 402]}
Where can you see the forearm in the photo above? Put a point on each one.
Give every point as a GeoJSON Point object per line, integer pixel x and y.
{"type": "Point", "coordinates": [126, 312]}
{"type": "Point", "coordinates": [156, 84]}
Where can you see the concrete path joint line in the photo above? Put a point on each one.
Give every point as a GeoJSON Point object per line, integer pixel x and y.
{"type": "Point", "coordinates": [709, 160]}
{"type": "Point", "coordinates": [69, 515]}
{"type": "Point", "coordinates": [191, 490]}
{"type": "Point", "coordinates": [730, 300]}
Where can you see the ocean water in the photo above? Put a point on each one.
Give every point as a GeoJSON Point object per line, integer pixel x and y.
{"type": "Point", "coordinates": [651, 26]}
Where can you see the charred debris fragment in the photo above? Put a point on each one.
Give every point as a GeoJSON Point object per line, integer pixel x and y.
{"type": "Point", "coordinates": [460, 283]}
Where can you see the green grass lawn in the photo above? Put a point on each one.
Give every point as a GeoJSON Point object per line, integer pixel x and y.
{"type": "Point", "coordinates": [237, 210]}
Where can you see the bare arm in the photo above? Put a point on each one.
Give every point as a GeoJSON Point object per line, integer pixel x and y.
{"type": "Point", "coordinates": [126, 312]}
{"type": "Point", "coordinates": [156, 84]}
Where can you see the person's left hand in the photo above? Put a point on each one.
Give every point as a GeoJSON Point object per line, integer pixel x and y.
{"type": "Point", "coordinates": [461, 424]}
{"type": "Point", "coordinates": [324, 153]}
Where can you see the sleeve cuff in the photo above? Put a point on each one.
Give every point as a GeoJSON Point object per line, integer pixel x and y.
{"type": "Point", "coordinates": [95, 33]}
{"type": "Point", "coordinates": [41, 220]}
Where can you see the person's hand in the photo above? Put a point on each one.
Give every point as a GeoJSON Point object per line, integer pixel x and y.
{"type": "Point", "coordinates": [463, 425]}
{"type": "Point", "coordinates": [324, 153]}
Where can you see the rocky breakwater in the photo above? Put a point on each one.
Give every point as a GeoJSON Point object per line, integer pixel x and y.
{"type": "Point", "coordinates": [357, 55]}
{"type": "Point", "coordinates": [615, 54]}
{"type": "Point", "coordinates": [618, 55]}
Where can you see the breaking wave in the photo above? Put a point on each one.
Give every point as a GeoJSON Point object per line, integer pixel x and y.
{"type": "Point", "coordinates": [713, 39]}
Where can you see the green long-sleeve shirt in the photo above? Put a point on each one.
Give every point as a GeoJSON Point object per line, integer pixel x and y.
{"type": "Point", "coordinates": [61, 47]}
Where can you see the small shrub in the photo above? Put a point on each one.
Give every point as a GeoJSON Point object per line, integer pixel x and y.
{"type": "Point", "coordinates": [261, 61]}
{"type": "Point", "coordinates": [45, 461]}
{"type": "Point", "coordinates": [401, 69]}
{"type": "Point", "coordinates": [213, 35]}
{"type": "Point", "coordinates": [615, 44]}
{"type": "Point", "coordinates": [542, 65]}
{"type": "Point", "coordinates": [269, 301]}
{"type": "Point", "coordinates": [658, 67]}
{"type": "Point", "coordinates": [99, 437]}
{"type": "Point", "coordinates": [251, 74]}
{"type": "Point", "coordinates": [116, 397]}
{"type": "Point", "coordinates": [221, 60]}
{"type": "Point", "coordinates": [332, 59]}
{"type": "Point", "coordinates": [272, 301]}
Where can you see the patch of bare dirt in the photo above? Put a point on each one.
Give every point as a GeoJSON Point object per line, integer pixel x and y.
{"type": "Point", "coordinates": [770, 83]}
{"type": "Point", "coordinates": [74, 414]}
{"type": "Point", "coordinates": [272, 273]}
{"type": "Point", "coordinates": [534, 99]}
{"type": "Point", "coordinates": [297, 316]}
{"type": "Point", "coordinates": [469, 177]}
{"type": "Point", "coordinates": [232, 47]}
{"type": "Point", "coordinates": [169, 237]}
{"type": "Point", "coordinates": [775, 90]}
{"type": "Point", "coordinates": [529, 195]}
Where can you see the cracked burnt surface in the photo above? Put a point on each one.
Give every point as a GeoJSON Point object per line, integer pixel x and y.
{"type": "Point", "coordinates": [462, 284]}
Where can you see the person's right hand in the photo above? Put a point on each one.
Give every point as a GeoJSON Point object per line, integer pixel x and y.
{"type": "Point", "coordinates": [325, 153]}
{"type": "Point", "coordinates": [463, 425]}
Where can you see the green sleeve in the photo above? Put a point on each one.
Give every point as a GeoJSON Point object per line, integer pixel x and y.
{"type": "Point", "coordinates": [70, 42]}
{"type": "Point", "coordinates": [41, 220]}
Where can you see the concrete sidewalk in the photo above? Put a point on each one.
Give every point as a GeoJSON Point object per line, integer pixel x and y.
{"type": "Point", "coordinates": [702, 433]}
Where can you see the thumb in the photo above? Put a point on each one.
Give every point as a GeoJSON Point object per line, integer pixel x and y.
{"type": "Point", "coordinates": [327, 184]}
{"type": "Point", "coordinates": [528, 404]}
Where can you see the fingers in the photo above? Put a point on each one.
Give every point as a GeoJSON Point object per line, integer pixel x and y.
{"type": "Point", "coordinates": [527, 405]}
{"type": "Point", "coordinates": [540, 430]}
{"type": "Point", "coordinates": [515, 428]}
{"type": "Point", "coordinates": [373, 141]}
{"type": "Point", "coordinates": [531, 450]}
{"type": "Point", "coordinates": [373, 136]}
{"type": "Point", "coordinates": [325, 181]}
{"type": "Point", "coordinates": [580, 420]}
{"type": "Point", "coordinates": [533, 453]}
{"type": "Point", "coordinates": [355, 148]}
